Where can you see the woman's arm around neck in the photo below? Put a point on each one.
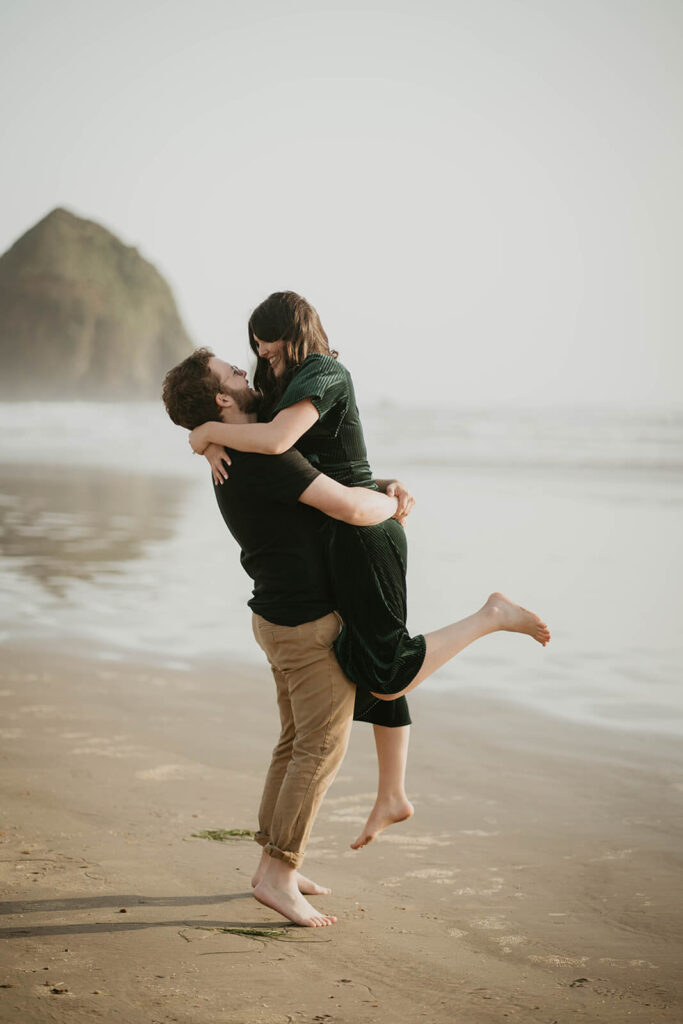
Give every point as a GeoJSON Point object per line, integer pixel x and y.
{"type": "Point", "coordinates": [272, 438]}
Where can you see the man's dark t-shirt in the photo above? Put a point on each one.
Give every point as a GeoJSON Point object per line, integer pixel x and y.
{"type": "Point", "coordinates": [279, 537]}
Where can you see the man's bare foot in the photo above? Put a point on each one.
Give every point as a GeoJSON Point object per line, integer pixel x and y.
{"type": "Point", "coordinates": [383, 814]}
{"type": "Point", "coordinates": [305, 885]}
{"type": "Point", "coordinates": [515, 619]}
{"type": "Point", "coordinates": [291, 904]}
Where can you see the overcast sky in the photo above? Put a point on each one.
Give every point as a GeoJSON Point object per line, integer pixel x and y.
{"type": "Point", "coordinates": [482, 198]}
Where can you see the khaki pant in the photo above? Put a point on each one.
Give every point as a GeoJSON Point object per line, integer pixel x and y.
{"type": "Point", "coordinates": [315, 700]}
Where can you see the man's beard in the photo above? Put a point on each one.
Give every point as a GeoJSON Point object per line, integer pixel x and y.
{"type": "Point", "coordinates": [244, 400]}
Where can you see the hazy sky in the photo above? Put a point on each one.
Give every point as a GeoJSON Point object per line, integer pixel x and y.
{"type": "Point", "coordinates": [481, 197]}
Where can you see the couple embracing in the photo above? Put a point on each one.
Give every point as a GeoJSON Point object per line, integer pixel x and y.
{"type": "Point", "coordinates": [325, 545]}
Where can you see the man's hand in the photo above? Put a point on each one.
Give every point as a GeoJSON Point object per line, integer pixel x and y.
{"type": "Point", "coordinates": [406, 502]}
{"type": "Point", "coordinates": [217, 457]}
{"type": "Point", "coordinates": [198, 439]}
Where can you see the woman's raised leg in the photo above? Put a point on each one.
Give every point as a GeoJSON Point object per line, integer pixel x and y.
{"type": "Point", "coordinates": [498, 613]}
{"type": "Point", "coordinates": [392, 804]}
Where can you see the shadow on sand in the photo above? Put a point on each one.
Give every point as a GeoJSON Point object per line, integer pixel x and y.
{"type": "Point", "coordinates": [131, 903]}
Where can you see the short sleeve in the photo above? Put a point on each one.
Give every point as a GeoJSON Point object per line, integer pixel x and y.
{"type": "Point", "coordinates": [326, 382]}
{"type": "Point", "coordinates": [281, 478]}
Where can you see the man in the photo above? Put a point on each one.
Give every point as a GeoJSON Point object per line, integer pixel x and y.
{"type": "Point", "coordinates": [272, 507]}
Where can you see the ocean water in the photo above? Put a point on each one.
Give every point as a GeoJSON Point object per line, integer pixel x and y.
{"type": "Point", "coordinates": [110, 540]}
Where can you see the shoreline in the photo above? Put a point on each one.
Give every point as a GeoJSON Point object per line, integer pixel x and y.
{"type": "Point", "coordinates": [442, 688]}
{"type": "Point", "coordinates": [538, 877]}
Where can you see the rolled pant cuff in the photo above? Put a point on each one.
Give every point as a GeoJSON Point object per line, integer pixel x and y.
{"type": "Point", "coordinates": [293, 859]}
{"type": "Point", "coordinates": [262, 838]}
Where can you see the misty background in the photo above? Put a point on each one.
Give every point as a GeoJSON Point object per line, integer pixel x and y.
{"type": "Point", "coordinates": [481, 199]}
{"type": "Point", "coordinates": [483, 202]}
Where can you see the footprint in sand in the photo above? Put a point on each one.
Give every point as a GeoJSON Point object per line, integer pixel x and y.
{"type": "Point", "coordinates": [108, 746]}
{"type": "Point", "coordinates": [508, 942]}
{"type": "Point", "coordinates": [494, 923]}
{"type": "Point", "coordinates": [417, 842]}
{"type": "Point", "coordinates": [491, 890]}
{"type": "Point", "coordinates": [559, 961]}
{"type": "Point", "coordinates": [625, 964]}
{"type": "Point", "coordinates": [439, 875]}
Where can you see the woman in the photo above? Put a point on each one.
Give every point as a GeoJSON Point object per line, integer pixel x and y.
{"type": "Point", "coordinates": [310, 403]}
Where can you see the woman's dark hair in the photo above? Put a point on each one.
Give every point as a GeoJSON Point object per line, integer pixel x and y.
{"type": "Point", "coordinates": [190, 389]}
{"type": "Point", "coordinates": [288, 317]}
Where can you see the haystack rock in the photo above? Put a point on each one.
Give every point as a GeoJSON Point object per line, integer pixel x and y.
{"type": "Point", "coordinates": [83, 316]}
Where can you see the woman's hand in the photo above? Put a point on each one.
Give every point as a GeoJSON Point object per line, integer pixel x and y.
{"type": "Point", "coordinates": [217, 456]}
{"type": "Point", "coordinates": [406, 502]}
{"type": "Point", "coordinates": [198, 439]}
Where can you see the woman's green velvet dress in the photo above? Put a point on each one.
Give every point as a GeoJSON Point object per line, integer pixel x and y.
{"type": "Point", "coordinates": [367, 563]}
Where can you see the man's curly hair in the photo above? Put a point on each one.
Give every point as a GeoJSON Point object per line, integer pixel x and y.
{"type": "Point", "coordinates": [189, 391]}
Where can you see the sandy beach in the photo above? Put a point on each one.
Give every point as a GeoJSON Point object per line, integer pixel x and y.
{"type": "Point", "coordinates": [539, 880]}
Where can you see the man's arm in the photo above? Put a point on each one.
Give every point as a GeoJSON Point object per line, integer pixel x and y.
{"type": "Point", "coordinates": [358, 506]}
{"type": "Point", "coordinates": [290, 477]}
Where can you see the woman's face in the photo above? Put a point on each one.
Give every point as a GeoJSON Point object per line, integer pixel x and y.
{"type": "Point", "coordinates": [274, 353]}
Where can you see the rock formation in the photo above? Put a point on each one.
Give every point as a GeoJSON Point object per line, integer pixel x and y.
{"type": "Point", "coordinates": [83, 316]}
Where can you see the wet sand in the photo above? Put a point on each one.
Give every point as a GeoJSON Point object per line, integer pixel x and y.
{"type": "Point", "coordinates": [539, 880]}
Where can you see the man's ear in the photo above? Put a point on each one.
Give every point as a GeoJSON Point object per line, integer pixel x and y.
{"type": "Point", "coordinates": [224, 401]}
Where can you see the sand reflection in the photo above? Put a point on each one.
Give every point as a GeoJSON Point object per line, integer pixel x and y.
{"type": "Point", "coordinates": [63, 523]}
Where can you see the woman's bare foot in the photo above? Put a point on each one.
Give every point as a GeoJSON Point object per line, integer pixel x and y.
{"type": "Point", "coordinates": [289, 902]}
{"type": "Point", "coordinates": [305, 885]}
{"type": "Point", "coordinates": [515, 619]}
{"type": "Point", "coordinates": [383, 814]}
